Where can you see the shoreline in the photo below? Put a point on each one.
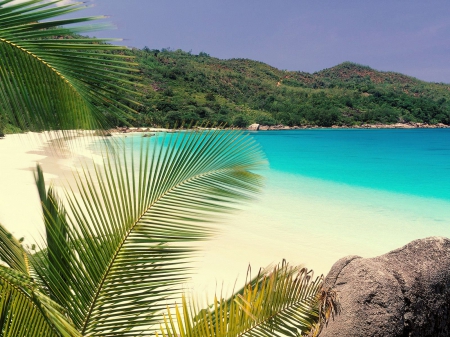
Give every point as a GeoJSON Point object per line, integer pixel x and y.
{"type": "Point", "coordinates": [149, 131]}
{"type": "Point", "coordinates": [279, 127]}
{"type": "Point", "coordinates": [260, 127]}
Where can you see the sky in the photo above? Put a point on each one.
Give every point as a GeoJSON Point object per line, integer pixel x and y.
{"type": "Point", "coordinates": [406, 36]}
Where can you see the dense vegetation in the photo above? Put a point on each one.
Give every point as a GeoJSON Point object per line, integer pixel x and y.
{"type": "Point", "coordinates": [176, 88]}
{"type": "Point", "coordinates": [181, 87]}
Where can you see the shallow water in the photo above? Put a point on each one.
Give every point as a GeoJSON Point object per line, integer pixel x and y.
{"type": "Point", "coordinates": [411, 161]}
{"type": "Point", "coordinates": [332, 193]}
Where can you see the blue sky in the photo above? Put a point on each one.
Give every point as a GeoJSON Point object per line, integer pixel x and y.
{"type": "Point", "coordinates": [411, 37]}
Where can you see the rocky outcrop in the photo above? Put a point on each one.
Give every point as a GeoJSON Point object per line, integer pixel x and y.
{"type": "Point", "coordinates": [253, 127]}
{"type": "Point", "coordinates": [405, 292]}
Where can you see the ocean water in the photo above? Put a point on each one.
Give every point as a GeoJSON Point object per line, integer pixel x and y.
{"type": "Point", "coordinates": [410, 161]}
{"type": "Point", "coordinates": [332, 193]}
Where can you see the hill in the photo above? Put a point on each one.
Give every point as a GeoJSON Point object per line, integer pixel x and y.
{"type": "Point", "coordinates": [178, 86]}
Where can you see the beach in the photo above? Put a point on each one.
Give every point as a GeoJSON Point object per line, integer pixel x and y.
{"type": "Point", "coordinates": [20, 210]}
{"type": "Point", "coordinates": [316, 227]}
{"type": "Point", "coordinates": [307, 221]}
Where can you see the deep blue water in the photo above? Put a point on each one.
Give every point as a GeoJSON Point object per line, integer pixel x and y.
{"type": "Point", "coordinates": [410, 161]}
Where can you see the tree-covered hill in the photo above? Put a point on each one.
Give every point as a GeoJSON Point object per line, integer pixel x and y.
{"type": "Point", "coordinates": [179, 86]}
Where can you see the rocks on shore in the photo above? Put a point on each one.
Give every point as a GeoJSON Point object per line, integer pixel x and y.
{"type": "Point", "coordinates": [260, 127]}
{"type": "Point", "coordinates": [411, 125]}
{"type": "Point", "coordinates": [405, 292]}
{"type": "Point", "coordinates": [147, 132]}
{"type": "Point", "coordinates": [126, 129]}
{"type": "Point", "coordinates": [253, 127]}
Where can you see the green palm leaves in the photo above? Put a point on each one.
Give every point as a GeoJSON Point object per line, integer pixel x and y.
{"type": "Point", "coordinates": [52, 79]}
{"type": "Point", "coordinates": [25, 308]}
{"type": "Point", "coordinates": [132, 243]}
{"type": "Point", "coordinates": [284, 301]}
{"type": "Point", "coordinates": [118, 251]}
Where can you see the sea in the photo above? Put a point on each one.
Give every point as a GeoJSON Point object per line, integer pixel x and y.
{"type": "Point", "coordinates": [330, 193]}
{"type": "Point", "coordinates": [406, 161]}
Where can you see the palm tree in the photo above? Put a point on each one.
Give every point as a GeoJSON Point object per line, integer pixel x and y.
{"type": "Point", "coordinates": [117, 246]}
{"type": "Point", "coordinates": [116, 250]}
{"type": "Point", "coordinates": [117, 253]}
{"type": "Point", "coordinates": [53, 78]}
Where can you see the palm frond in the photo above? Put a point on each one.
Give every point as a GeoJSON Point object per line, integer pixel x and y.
{"type": "Point", "coordinates": [284, 301]}
{"type": "Point", "coordinates": [49, 79]}
{"type": "Point", "coordinates": [12, 252]}
{"type": "Point", "coordinates": [57, 251]}
{"type": "Point", "coordinates": [25, 311]}
{"type": "Point", "coordinates": [132, 225]}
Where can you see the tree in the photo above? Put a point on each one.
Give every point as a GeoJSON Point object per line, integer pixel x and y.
{"type": "Point", "coordinates": [116, 247]}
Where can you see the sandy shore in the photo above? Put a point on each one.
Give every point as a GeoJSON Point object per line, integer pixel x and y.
{"type": "Point", "coordinates": [20, 153]}
{"type": "Point", "coordinates": [304, 221]}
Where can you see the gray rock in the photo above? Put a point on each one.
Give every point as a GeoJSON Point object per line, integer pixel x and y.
{"type": "Point", "coordinates": [405, 292]}
{"type": "Point", "coordinates": [253, 127]}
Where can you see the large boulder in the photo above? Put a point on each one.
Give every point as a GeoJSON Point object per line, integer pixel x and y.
{"type": "Point", "coordinates": [405, 292]}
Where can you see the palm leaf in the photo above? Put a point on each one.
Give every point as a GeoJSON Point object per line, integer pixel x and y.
{"type": "Point", "coordinates": [25, 311]}
{"type": "Point", "coordinates": [51, 80]}
{"type": "Point", "coordinates": [57, 251]}
{"type": "Point", "coordinates": [131, 228]}
{"type": "Point", "coordinates": [12, 252]}
{"type": "Point", "coordinates": [282, 302]}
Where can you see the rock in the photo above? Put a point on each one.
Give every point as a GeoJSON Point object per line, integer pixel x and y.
{"type": "Point", "coordinates": [253, 127]}
{"type": "Point", "coordinates": [276, 127]}
{"type": "Point", "coordinates": [405, 292]}
{"type": "Point", "coordinates": [263, 128]}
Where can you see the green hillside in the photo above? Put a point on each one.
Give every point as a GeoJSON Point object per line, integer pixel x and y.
{"type": "Point", "coordinates": [178, 86]}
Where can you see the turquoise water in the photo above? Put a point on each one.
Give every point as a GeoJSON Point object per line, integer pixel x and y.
{"type": "Point", "coordinates": [332, 193]}
{"type": "Point", "coordinates": [411, 161]}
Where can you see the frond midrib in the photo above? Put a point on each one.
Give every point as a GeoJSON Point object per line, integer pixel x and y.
{"type": "Point", "coordinates": [42, 61]}
{"type": "Point", "coordinates": [106, 274]}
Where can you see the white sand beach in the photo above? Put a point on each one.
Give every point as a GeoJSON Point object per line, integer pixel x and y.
{"type": "Point", "coordinates": [20, 210]}
{"type": "Point", "coordinates": [315, 226]}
